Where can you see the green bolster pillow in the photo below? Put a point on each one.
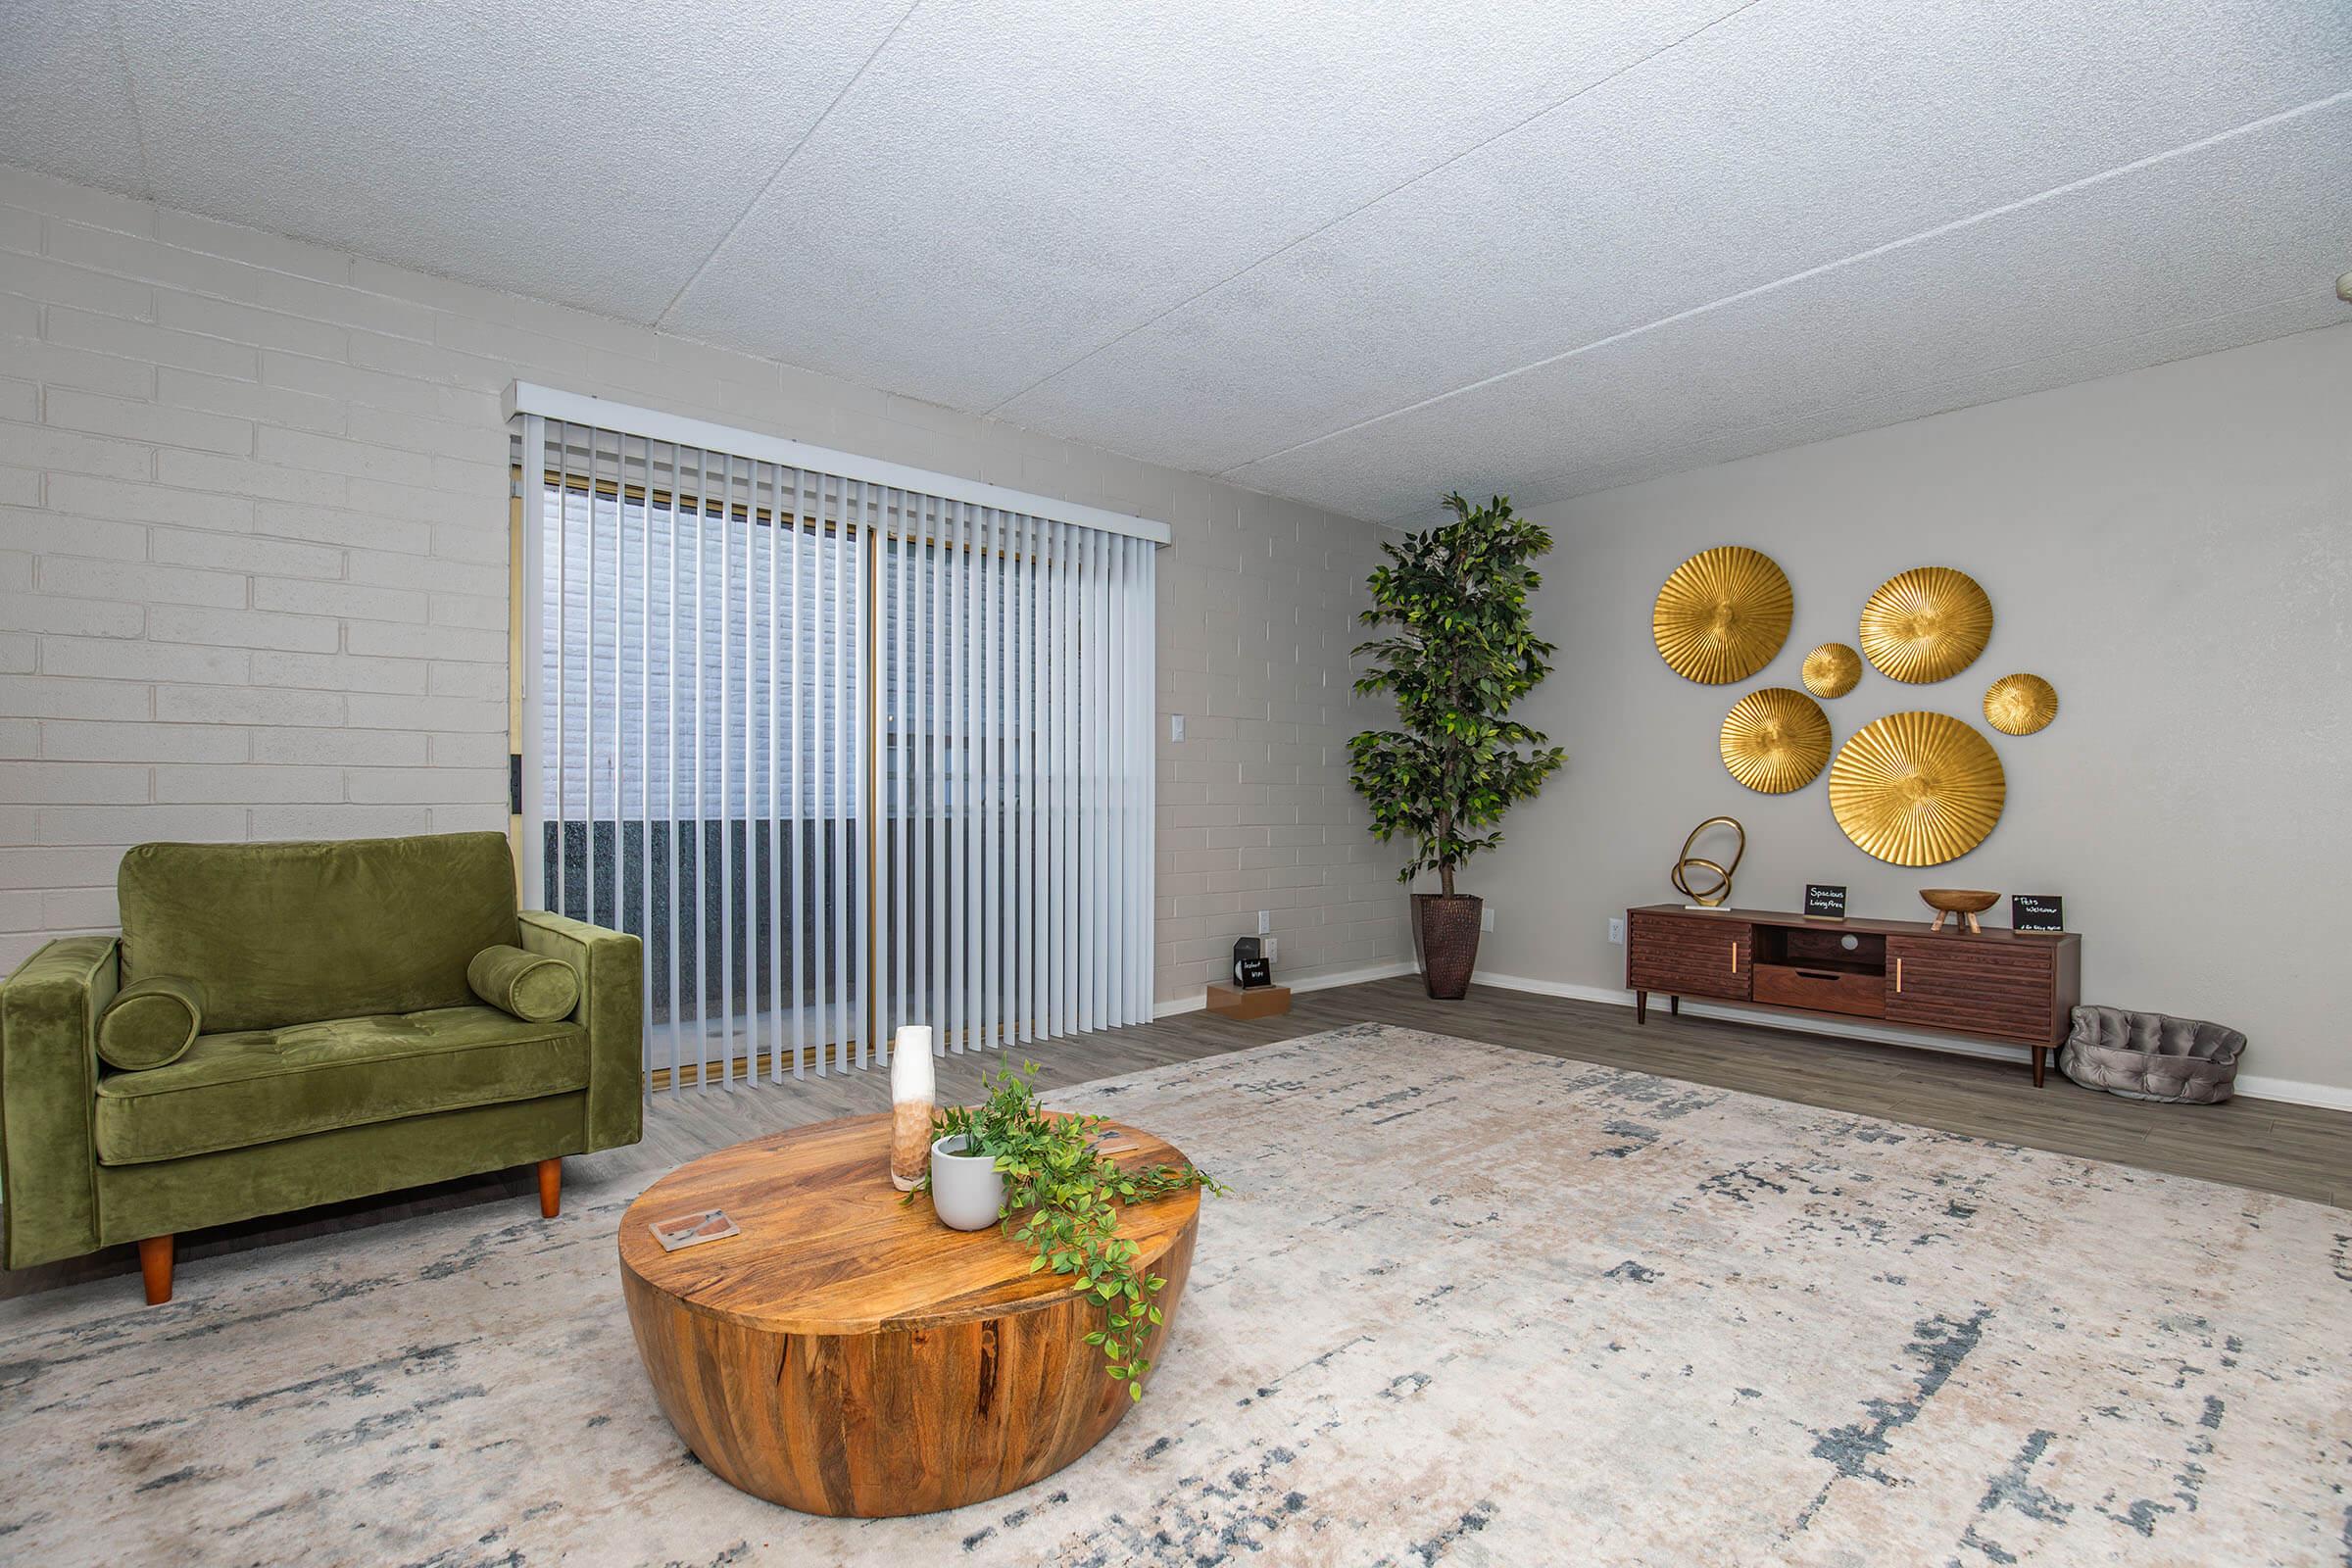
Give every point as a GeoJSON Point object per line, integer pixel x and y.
{"type": "Point", "coordinates": [149, 1024]}
{"type": "Point", "coordinates": [532, 986]}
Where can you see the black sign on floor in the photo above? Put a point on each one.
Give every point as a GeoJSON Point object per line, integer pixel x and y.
{"type": "Point", "coordinates": [2036, 911]}
{"type": "Point", "coordinates": [1824, 902]}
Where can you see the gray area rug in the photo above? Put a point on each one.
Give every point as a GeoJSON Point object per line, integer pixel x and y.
{"type": "Point", "coordinates": [1469, 1306]}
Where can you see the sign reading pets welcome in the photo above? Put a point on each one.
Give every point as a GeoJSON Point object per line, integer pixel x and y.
{"type": "Point", "coordinates": [2036, 911]}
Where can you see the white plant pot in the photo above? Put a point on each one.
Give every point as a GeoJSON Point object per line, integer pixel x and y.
{"type": "Point", "coordinates": [965, 1189]}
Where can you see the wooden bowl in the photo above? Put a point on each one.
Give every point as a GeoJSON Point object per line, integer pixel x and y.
{"type": "Point", "coordinates": [1958, 900]}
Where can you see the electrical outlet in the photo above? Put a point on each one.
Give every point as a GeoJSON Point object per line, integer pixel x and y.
{"type": "Point", "coordinates": [1175, 726]}
{"type": "Point", "coordinates": [1486, 918]}
{"type": "Point", "coordinates": [1617, 929]}
{"type": "Point", "coordinates": [1270, 948]}
{"type": "Point", "coordinates": [1265, 921]}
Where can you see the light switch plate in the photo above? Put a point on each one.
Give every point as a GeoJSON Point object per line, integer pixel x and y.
{"type": "Point", "coordinates": [1175, 726]}
{"type": "Point", "coordinates": [1265, 921]}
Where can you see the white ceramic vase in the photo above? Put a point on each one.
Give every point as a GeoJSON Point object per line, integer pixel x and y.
{"type": "Point", "coordinates": [965, 1189]}
{"type": "Point", "coordinates": [912, 1090]}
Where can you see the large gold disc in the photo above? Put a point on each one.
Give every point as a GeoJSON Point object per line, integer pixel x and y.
{"type": "Point", "coordinates": [1774, 740]}
{"type": "Point", "coordinates": [2020, 705]}
{"type": "Point", "coordinates": [1722, 615]}
{"type": "Point", "coordinates": [1833, 669]}
{"type": "Point", "coordinates": [1925, 624]}
{"type": "Point", "coordinates": [1917, 788]}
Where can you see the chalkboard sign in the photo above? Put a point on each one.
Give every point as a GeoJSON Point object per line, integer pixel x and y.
{"type": "Point", "coordinates": [2036, 911]}
{"type": "Point", "coordinates": [1824, 902]}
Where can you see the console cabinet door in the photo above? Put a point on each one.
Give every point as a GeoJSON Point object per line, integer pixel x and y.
{"type": "Point", "coordinates": [1687, 955]}
{"type": "Point", "coordinates": [1988, 988]}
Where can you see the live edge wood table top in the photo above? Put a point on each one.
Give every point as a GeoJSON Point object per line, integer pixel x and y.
{"type": "Point", "coordinates": [847, 1353]}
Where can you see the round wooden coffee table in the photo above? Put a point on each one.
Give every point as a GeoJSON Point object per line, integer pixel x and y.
{"type": "Point", "coordinates": [849, 1354]}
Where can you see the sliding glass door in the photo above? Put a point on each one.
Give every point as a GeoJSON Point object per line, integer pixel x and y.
{"type": "Point", "coordinates": [846, 756]}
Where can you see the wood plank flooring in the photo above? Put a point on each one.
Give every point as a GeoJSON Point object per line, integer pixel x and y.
{"type": "Point", "coordinates": [2298, 1150]}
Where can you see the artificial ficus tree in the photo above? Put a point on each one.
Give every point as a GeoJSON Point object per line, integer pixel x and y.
{"type": "Point", "coordinates": [1459, 653]}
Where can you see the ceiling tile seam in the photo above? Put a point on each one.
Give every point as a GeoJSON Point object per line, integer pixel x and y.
{"type": "Point", "coordinates": [1368, 204]}
{"type": "Point", "coordinates": [1927, 388]}
{"type": "Point", "coordinates": [769, 183]}
{"type": "Point", "coordinates": [130, 100]}
{"type": "Point", "coordinates": [1971, 220]}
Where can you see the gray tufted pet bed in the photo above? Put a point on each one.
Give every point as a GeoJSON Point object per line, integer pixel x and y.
{"type": "Point", "coordinates": [2148, 1055]}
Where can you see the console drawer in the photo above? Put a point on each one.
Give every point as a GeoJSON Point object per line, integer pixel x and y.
{"type": "Point", "coordinates": [1822, 990]}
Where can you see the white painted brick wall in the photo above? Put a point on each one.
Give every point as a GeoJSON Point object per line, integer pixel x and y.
{"type": "Point", "coordinates": [253, 574]}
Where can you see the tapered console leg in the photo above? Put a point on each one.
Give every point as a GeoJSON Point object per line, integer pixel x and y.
{"type": "Point", "coordinates": [1674, 1004]}
{"type": "Point", "coordinates": [155, 1268]}
{"type": "Point", "coordinates": [550, 1187]}
{"type": "Point", "coordinates": [1640, 1006]}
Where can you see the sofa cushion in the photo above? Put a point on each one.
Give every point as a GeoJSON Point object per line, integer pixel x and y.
{"type": "Point", "coordinates": [151, 1023]}
{"type": "Point", "coordinates": [532, 986]}
{"type": "Point", "coordinates": [260, 1085]}
{"type": "Point", "coordinates": [287, 933]}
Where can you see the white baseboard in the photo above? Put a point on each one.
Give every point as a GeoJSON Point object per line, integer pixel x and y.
{"type": "Point", "coordinates": [1321, 982]}
{"type": "Point", "coordinates": [2328, 1096]}
{"type": "Point", "coordinates": [2293, 1091]}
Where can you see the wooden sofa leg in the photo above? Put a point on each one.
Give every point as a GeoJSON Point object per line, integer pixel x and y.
{"type": "Point", "coordinates": [550, 1187]}
{"type": "Point", "coordinates": [155, 1268]}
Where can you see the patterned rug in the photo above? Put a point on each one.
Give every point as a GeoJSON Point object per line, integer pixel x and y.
{"type": "Point", "coordinates": [1468, 1305]}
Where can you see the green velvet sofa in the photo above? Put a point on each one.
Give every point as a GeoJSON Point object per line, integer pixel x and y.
{"type": "Point", "coordinates": [332, 1049]}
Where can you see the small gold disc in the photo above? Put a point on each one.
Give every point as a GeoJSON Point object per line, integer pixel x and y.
{"type": "Point", "coordinates": [2020, 705]}
{"type": "Point", "coordinates": [1833, 669]}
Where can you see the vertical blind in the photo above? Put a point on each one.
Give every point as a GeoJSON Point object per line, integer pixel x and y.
{"type": "Point", "coordinates": [846, 754]}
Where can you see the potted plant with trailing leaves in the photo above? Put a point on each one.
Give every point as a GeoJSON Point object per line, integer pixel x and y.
{"type": "Point", "coordinates": [1458, 654]}
{"type": "Point", "coordinates": [1041, 1177]}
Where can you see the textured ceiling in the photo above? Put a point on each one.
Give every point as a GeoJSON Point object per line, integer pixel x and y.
{"type": "Point", "coordinates": [1354, 254]}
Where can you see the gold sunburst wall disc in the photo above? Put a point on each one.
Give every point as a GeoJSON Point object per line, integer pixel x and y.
{"type": "Point", "coordinates": [1833, 669]}
{"type": "Point", "coordinates": [1774, 740]}
{"type": "Point", "coordinates": [1926, 624]}
{"type": "Point", "coordinates": [1917, 788]}
{"type": "Point", "coordinates": [2020, 705]}
{"type": "Point", "coordinates": [1722, 615]}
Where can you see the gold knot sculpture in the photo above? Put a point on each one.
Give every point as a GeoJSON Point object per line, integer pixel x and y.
{"type": "Point", "coordinates": [1713, 897]}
